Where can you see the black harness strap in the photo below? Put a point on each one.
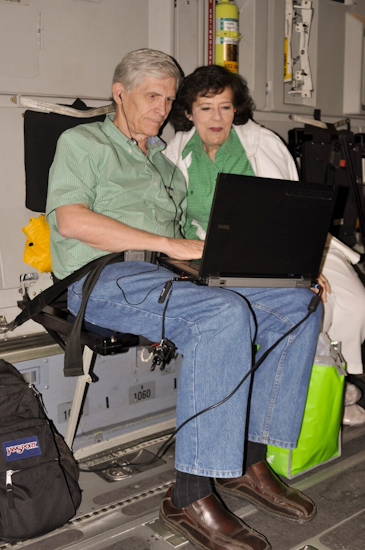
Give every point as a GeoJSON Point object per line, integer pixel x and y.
{"type": "Point", "coordinates": [73, 352]}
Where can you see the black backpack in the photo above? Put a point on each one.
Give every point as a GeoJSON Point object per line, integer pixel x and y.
{"type": "Point", "coordinates": [39, 488]}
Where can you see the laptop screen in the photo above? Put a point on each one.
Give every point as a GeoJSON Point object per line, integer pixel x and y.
{"type": "Point", "coordinates": [262, 227]}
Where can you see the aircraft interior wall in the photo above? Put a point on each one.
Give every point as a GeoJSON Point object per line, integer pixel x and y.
{"type": "Point", "coordinates": [60, 50]}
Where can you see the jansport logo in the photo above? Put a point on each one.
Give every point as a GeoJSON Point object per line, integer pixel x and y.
{"type": "Point", "coordinates": [24, 447]}
{"type": "Point", "coordinates": [19, 449]}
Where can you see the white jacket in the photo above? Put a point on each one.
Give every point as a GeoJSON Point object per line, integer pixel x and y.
{"type": "Point", "coordinates": [268, 155]}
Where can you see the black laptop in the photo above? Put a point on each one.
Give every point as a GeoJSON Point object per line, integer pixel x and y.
{"type": "Point", "coordinates": [262, 232]}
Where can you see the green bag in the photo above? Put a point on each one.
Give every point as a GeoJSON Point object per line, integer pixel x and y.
{"type": "Point", "coordinates": [320, 436]}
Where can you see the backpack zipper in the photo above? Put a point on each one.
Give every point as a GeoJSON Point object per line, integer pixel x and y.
{"type": "Point", "coordinates": [9, 480]}
{"type": "Point", "coordinates": [9, 488]}
{"type": "Point", "coordinates": [9, 474]}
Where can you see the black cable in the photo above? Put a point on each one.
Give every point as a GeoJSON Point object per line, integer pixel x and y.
{"type": "Point", "coordinates": [164, 313]}
{"type": "Point", "coordinates": [124, 464]}
{"type": "Point", "coordinates": [133, 275]}
{"type": "Point", "coordinates": [249, 307]}
{"type": "Point", "coordinates": [168, 188]}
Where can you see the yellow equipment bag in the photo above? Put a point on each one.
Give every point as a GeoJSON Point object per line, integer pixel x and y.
{"type": "Point", "coordinates": [37, 251]}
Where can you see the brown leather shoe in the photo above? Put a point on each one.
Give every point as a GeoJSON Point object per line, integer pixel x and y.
{"type": "Point", "coordinates": [261, 486]}
{"type": "Point", "coordinates": [207, 524]}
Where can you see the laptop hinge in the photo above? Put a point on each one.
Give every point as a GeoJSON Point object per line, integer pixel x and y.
{"type": "Point", "coordinates": [214, 280]}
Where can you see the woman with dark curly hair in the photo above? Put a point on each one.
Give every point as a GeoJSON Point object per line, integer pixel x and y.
{"type": "Point", "coordinates": [211, 80]}
{"type": "Point", "coordinates": [212, 116]}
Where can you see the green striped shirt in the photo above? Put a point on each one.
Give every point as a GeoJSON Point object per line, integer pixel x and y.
{"type": "Point", "coordinates": [95, 164]}
{"type": "Point", "coordinates": [229, 158]}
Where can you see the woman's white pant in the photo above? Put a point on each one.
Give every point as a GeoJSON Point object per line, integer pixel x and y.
{"type": "Point", "coordinates": [344, 312]}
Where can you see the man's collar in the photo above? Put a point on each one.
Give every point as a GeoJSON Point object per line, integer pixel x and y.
{"type": "Point", "coordinates": [112, 131]}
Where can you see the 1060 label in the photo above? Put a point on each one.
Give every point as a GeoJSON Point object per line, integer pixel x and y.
{"type": "Point", "coordinates": [142, 392]}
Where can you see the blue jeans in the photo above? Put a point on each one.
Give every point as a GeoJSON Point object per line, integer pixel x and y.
{"type": "Point", "coordinates": [214, 330]}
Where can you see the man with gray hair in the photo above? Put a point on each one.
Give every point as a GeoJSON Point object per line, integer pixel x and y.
{"type": "Point", "coordinates": [111, 190]}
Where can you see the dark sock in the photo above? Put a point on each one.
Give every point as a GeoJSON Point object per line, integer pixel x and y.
{"type": "Point", "coordinates": [255, 452]}
{"type": "Point", "coordinates": [189, 488]}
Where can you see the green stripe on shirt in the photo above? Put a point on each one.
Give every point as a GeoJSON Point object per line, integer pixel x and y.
{"type": "Point", "coordinates": [229, 158]}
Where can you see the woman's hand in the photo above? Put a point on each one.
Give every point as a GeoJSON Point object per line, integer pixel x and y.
{"type": "Point", "coordinates": [326, 287]}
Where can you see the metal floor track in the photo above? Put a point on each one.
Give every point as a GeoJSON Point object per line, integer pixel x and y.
{"type": "Point", "coordinates": [123, 514]}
